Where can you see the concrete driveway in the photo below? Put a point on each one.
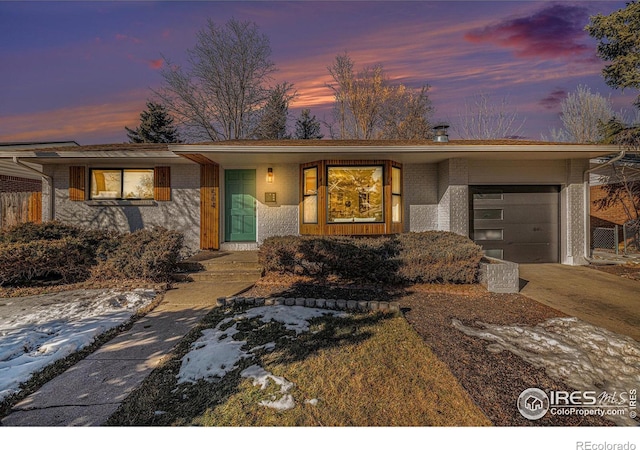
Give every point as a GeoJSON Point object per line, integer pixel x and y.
{"type": "Point", "coordinates": [596, 297]}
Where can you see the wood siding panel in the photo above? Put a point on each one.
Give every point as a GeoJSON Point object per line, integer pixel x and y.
{"type": "Point", "coordinates": [20, 207]}
{"type": "Point", "coordinates": [77, 183]}
{"type": "Point", "coordinates": [209, 207]}
{"type": "Point", "coordinates": [162, 184]}
{"type": "Point", "coordinates": [35, 208]}
{"type": "Point", "coordinates": [333, 229]}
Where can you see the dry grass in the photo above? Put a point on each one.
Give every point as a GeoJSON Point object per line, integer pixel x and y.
{"type": "Point", "coordinates": [364, 370]}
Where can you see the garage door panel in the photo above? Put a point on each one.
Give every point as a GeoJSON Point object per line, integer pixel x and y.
{"type": "Point", "coordinates": [535, 253]}
{"type": "Point", "coordinates": [523, 233]}
{"type": "Point", "coordinates": [519, 222]}
{"type": "Point", "coordinates": [518, 214]}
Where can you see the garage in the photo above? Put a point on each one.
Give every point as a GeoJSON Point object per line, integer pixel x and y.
{"type": "Point", "coordinates": [516, 223]}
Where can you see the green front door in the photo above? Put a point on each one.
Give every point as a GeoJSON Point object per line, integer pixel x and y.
{"type": "Point", "coordinates": [240, 205]}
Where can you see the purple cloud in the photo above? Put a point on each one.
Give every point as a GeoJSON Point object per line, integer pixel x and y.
{"type": "Point", "coordinates": [556, 31]}
{"type": "Point", "coordinates": [553, 99]}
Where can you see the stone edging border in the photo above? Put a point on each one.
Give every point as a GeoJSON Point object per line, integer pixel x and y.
{"type": "Point", "coordinates": [342, 305]}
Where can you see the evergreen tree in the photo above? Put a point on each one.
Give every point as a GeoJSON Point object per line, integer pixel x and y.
{"type": "Point", "coordinates": [272, 122]}
{"type": "Point", "coordinates": [619, 44]}
{"type": "Point", "coordinates": [307, 127]}
{"type": "Point", "coordinates": [156, 125]}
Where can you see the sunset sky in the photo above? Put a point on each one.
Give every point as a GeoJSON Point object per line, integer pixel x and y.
{"type": "Point", "coordinates": [83, 70]}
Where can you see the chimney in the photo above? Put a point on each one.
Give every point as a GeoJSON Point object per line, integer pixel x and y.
{"type": "Point", "coordinates": [440, 133]}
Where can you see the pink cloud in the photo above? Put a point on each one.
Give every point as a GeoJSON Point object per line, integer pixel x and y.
{"type": "Point", "coordinates": [80, 123]}
{"type": "Point", "coordinates": [124, 37]}
{"type": "Point", "coordinates": [155, 63]}
{"type": "Point", "coordinates": [556, 31]}
{"type": "Point", "coordinates": [553, 99]}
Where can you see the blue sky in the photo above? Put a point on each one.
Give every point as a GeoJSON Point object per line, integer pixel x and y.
{"type": "Point", "coordinates": [84, 70]}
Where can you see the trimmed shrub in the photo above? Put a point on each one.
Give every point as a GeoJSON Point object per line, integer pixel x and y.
{"type": "Point", "coordinates": [358, 259]}
{"type": "Point", "coordinates": [438, 257]}
{"type": "Point", "coordinates": [46, 231]}
{"type": "Point", "coordinates": [54, 250]}
{"type": "Point", "coordinates": [428, 257]}
{"type": "Point", "coordinates": [100, 242]}
{"type": "Point", "coordinates": [150, 254]}
{"type": "Point", "coordinates": [22, 262]}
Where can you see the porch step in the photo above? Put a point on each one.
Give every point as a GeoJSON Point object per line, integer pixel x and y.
{"type": "Point", "coordinates": [224, 277]}
{"type": "Point", "coordinates": [220, 267]}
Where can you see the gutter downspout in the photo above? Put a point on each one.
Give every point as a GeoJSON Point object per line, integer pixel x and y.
{"type": "Point", "coordinates": [49, 179]}
{"type": "Point", "coordinates": [587, 202]}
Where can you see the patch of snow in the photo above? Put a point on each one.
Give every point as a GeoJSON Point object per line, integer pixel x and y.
{"type": "Point", "coordinates": [54, 326]}
{"type": "Point", "coordinates": [312, 402]}
{"type": "Point", "coordinates": [261, 377]}
{"type": "Point", "coordinates": [203, 364]}
{"type": "Point", "coordinates": [283, 403]}
{"type": "Point", "coordinates": [584, 356]}
{"type": "Point", "coordinates": [216, 353]}
{"type": "Point", "coordinates": [269, 346]}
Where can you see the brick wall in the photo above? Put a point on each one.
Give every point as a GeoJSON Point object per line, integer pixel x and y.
{"type": "Point", "coordinates": [17, 184]}
{"type": "Point", "coordinates": [181, 213]}
{"type": "Point", "coordinates": [614, 215]}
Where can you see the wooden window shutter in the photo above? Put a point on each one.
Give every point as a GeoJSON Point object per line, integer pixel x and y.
{"type": "Point", "coordinates": [162, 184]}
{"type": "Point", "coordinates": [77, 184]}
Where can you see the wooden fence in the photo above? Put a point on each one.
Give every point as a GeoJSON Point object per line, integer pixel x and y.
{"type": "Point", "coordinates": [20, 207]}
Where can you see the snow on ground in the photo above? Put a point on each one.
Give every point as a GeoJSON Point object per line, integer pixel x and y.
{"type": "Point", "coordinates": [585, 357]}
{"type": "Point", "coordinates": [50, 327]}
{"type": "Point", "coordinates": [216, 353]}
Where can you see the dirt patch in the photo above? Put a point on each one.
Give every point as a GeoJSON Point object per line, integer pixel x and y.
{"type": "Point", "coordinates": [494, 381]}
{"type": "Point", "coordinates": [630, 271]}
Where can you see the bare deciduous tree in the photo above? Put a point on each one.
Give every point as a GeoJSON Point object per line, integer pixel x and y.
{"type": "Point", "coordinates": [217, 97]}
{"type": "Point", "coordinates": [623, 184]}
{"type": "Point", "coordinates": [368, 106]}
{"type": "Point", "coordinates": [583, 114]}
{"type": "Point", "coordinates": [482, 119]}
{"type": "Point", "coordinates": [406, 114]}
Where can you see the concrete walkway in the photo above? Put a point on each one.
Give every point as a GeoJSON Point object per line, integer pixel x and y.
{"type": "Point", "coordinates": [596, 297]}
{"type": "Point", "coordinates": [89, 392]}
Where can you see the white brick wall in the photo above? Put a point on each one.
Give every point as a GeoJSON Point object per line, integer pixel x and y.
{"type": "Point", "coordinates": [280, 218]}
{"type": "Point", "coordinates": [182, 213]}
{"type": "Point", "coordinates": [420, 197]}
{"type": "Point", "coordinates": [574, 212]}
{"type": "Point", "coordinates": [453, 193]}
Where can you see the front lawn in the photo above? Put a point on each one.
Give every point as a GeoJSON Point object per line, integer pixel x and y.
{"type": "Point", "coordinates": [363, 369]}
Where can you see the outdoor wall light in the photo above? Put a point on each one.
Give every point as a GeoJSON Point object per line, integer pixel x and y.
{"type": "Point", "coordinates": [269, 175]}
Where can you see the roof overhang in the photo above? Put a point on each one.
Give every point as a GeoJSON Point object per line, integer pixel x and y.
{"type": "Point", "coordinates": [272, 154]}
{"type": "Point", "coordinates": [296, 152]}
